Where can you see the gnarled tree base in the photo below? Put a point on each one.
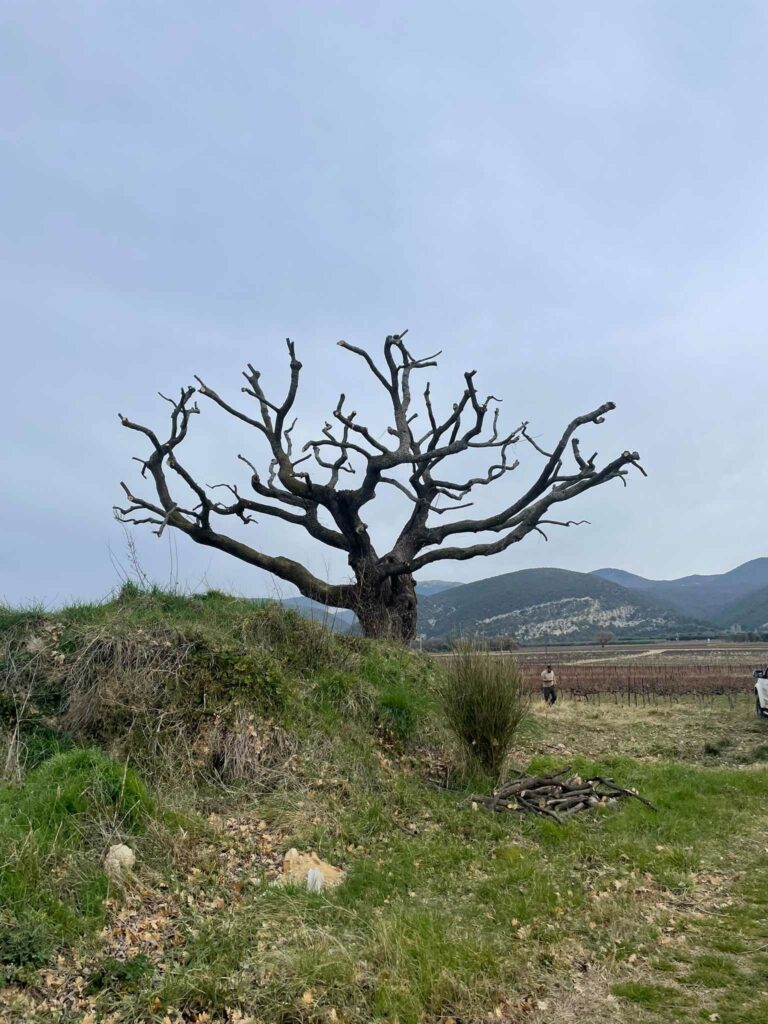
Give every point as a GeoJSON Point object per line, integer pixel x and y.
{"type": "Point", "coordinates": [388, 611]}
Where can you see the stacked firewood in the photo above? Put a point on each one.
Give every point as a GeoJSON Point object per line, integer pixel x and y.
{"type": "Point", "coordinates": [556, 796]}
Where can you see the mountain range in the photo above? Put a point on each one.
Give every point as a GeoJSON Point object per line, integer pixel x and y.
{"type": "Point", "coordinates": [712, 598]}
{"type": "Point", "coordinates": [545, 605]}
{"type": "Point", "coordinates": [551, 605]}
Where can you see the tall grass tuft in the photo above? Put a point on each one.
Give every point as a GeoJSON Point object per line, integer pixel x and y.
{"type": "Point", "coordinates": [485, 703]}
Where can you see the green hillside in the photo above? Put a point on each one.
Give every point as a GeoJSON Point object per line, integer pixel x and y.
{"type": "Point", "coordinates": [550, 605]}
{"type": "Point", "coordinates": [702, 597]}
{"type": "Point", "coordinates": [751, 612]}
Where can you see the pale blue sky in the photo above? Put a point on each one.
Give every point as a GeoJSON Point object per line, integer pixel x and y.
{"type": "Point", "coordinates": [568, 197]}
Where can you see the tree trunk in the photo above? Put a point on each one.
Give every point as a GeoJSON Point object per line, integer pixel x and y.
{"type": "Point", "coordinates": [387, 609]}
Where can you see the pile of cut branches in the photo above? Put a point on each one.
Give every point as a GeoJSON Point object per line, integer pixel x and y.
{"type": "Point", "coordinates": [556, 796]}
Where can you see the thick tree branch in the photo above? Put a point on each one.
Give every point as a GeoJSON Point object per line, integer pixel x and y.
{"type": "Point", "coordinates": [196, 522]}
{"type": "Point", "coordinates": [519, 524]}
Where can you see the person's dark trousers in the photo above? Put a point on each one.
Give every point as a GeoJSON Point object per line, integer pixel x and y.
{"type": "Point", "coordinates": [550, 694]}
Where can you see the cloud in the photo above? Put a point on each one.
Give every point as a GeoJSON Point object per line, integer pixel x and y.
{"type": "Point", "coordinates": [569, 198]}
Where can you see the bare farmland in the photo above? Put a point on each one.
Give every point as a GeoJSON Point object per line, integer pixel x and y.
{"type": "Point", "coordinates": [643, 674]}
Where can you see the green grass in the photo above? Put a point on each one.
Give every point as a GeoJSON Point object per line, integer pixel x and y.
{"type": "Point", "coordinates": [652, 997]}
{"type": "Point", "coordinates": [467, 905]}
{"type": "Point", "coordinates": [445, 912]}
{"type": "Point", "coordinates": [714, 971]}
{"type": "Point", "coordinates": [722, 964]}
{"type": "Point", "coordinates": [54, 829]}
{"type": "Point", "coordinates": [119, 975]}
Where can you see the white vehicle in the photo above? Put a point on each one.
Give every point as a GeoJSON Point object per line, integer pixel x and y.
{"type": "Point", "coordinates": [761, 691]}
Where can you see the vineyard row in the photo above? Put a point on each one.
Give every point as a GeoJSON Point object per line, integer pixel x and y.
{"type": "Point", "coordinates": [645, 684]}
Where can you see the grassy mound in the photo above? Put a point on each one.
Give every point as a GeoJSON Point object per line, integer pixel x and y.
{"type": "Point", "coordinates": [269, 733]}
{"type": "Point", "coordinates": [209, 684]}
{"type": "Point", "coordinates": [188, 690]}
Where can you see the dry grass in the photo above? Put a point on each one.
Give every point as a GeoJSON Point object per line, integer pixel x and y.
{"type": "Point", "coordinates": [721, 731]}
{"type": "Point", "coordinates": [447, 912]}
{"type": "Point", "coordinates": [245, 748]}
{"type": "Point", "coordinates": [194, 687]}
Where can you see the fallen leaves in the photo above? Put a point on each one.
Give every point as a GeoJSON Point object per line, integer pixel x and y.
{"type": "Point", "coordinates": [147, 921]}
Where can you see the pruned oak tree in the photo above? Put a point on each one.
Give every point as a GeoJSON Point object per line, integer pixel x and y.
{"type": "Point", "coordinates": [382, 592]}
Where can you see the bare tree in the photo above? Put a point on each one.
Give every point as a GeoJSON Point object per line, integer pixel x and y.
{"type": "Point", "coordinates": [603, 637]}
{"type": "Point", "coordinates": [382, 593]}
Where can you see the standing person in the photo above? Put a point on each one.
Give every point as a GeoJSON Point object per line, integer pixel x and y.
{"type": "Point", "coordinates": [548, 685]}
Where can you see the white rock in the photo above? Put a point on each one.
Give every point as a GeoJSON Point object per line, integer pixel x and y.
{"type": "Point", "coordinates": [297, 868]}
{"type": "Point", "coordinates": [119, 859]}
{"type": "Point", "coordinates": [315, 880]}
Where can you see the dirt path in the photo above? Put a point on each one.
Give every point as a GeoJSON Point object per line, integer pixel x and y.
{"type": "Point", "coordinates": [620, 657]}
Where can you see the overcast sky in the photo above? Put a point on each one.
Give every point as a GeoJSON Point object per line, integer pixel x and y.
{"type": "Point", "coordinates": [568, 197]}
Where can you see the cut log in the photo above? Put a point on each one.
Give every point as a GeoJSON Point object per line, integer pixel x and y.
{"type": "Point", "coordinates": [553, 796]}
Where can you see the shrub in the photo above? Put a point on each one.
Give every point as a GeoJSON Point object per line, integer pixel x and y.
{"type": "Point", "coordinates": [485, 702]}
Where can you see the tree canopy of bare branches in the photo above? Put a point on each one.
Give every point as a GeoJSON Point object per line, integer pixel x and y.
{"type": "Point", "coordinates": [310, 488]}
